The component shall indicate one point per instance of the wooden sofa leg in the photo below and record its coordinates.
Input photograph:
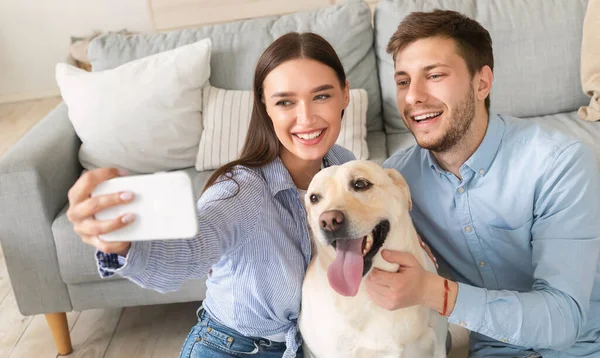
(60, 331)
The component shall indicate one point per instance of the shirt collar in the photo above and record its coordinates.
(278, 178)
(433, 164)
(483, 157)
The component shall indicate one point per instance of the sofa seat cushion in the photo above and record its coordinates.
(571, 124)
(76, 259)
(376, 141)
(399, 141)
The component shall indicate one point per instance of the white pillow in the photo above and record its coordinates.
(144, 116)
(227, 115)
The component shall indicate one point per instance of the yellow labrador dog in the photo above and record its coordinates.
(355, 210)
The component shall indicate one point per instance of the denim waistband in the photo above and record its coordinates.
(205, 319)
(291, 345)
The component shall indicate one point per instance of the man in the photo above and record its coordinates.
(510, 207)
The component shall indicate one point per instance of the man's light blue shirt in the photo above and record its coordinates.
(520, 233)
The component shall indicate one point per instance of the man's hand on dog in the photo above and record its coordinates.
(411, 285)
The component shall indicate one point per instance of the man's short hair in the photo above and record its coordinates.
(473, 41)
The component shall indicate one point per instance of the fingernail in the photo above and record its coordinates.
(126, 195)
(127, 218)
(123, 172)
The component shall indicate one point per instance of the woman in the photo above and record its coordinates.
(253, 240)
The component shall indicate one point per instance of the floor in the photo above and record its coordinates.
(138, 332)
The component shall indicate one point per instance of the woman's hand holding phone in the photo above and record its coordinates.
(83, 207)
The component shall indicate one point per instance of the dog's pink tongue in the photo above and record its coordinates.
(345, 273)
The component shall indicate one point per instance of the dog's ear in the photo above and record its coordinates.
(399, 181)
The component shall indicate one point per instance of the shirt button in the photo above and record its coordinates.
(463, 323)
(461, 190)
(505, 340)
(481, 263)
(481, 171)
(468, 228)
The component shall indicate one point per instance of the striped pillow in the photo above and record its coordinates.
(227, 115)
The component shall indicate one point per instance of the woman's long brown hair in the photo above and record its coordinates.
(261, 145)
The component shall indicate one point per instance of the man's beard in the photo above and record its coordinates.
(460, 123)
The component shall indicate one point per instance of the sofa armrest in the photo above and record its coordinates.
(35, 176)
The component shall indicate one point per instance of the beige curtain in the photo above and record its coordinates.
(590, 62)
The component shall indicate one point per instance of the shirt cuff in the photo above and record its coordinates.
(470, 306)
(136, 260)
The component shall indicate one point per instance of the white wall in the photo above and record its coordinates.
(35, 35)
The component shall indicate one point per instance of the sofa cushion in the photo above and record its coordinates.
(536, 52)
(144, 116)
(226, 115)
(399, 141)
(376, 140)
(124, 293)
(76, 260)
(569, 123)
(237, 46)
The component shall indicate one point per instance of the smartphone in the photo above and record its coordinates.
(164, 207)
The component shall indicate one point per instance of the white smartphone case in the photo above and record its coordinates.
(164, 207)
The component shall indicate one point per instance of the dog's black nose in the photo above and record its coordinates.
(331, 220)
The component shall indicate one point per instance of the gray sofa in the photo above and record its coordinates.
(536, 48)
